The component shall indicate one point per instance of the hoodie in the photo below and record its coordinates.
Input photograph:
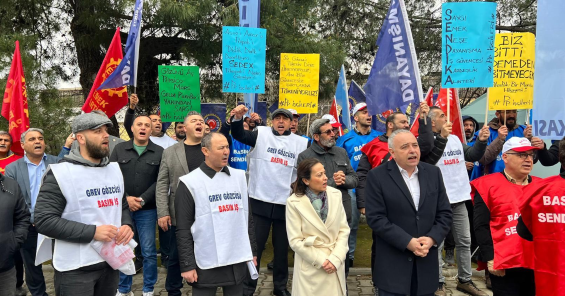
(473, 137)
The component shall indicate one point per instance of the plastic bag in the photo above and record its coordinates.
(117, 256)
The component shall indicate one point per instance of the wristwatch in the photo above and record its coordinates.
(142, 202)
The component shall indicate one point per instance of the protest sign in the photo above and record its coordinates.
(467, 52)
(243, 59)
(548, 115)
(179, 91)
(514, 57)
(299, 83)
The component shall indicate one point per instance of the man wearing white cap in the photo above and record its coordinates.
(352, 142)
(497, 198)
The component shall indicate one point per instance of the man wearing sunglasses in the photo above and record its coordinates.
(497, 198)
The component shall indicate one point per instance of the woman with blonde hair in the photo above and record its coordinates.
(317, 231)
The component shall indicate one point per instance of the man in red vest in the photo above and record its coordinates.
(497, 199)
(543, 222)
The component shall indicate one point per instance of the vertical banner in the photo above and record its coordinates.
(394, 81)
(548, 115)
(250, 16)
(179, 91)
(243, 59)
(214, 115)
(514, 57)
(467, 51)
(299, 83)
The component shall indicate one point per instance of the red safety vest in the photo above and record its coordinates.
(503, 200)
(543, 212)
(4, 162)
(376, 151)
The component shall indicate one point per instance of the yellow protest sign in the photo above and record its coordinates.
(514, 57)
(299, 83)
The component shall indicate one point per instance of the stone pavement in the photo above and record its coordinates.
(359, 283)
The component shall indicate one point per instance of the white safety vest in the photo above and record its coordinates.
(220, 230)
(454, 171)
(165, 141)
(272, 165)
(94, 197)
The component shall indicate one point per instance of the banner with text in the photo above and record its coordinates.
(179, 91)
(514, 57)
(299, 83)
(467, 51)
(243, 59)
(548, 115)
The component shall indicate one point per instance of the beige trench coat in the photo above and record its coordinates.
(314, 241)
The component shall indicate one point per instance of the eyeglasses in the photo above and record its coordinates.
(328, 132)
(523, 156)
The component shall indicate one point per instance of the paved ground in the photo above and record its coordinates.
(359, 283)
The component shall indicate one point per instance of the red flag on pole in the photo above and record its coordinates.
(430, 101)
(109, 100)
(14, 106)
(455, 111)
(334, 113)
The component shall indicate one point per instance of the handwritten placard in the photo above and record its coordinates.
(467, 53)
(514, 57)
(299, 83)
(179, 91)
(243, 59)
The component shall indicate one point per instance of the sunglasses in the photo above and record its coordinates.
(328, 132)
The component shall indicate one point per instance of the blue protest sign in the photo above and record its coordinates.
(548, 115)
(467, 51)
(243, 59)
(214, 115)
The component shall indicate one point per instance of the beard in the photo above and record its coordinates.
(181, 136)
(96, 151)
(327, 143)
(509, 125)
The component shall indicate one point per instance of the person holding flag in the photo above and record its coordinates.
(452, 165)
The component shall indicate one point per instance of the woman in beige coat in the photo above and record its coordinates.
(317, 232)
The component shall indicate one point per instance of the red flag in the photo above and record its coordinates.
(455, 116)
(109, 100)
(430, 101)
(14, 106)
(334, 113)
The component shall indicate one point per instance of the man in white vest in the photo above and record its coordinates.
(215, 232)
(82, 200)
(456, 180)
(271, 168)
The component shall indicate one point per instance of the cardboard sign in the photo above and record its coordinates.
(179, 91)
(299, 83)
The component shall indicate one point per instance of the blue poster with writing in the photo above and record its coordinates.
(467, 51)
(243, 59)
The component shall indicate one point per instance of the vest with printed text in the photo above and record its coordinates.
(454, 171)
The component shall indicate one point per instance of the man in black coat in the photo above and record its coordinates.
(408, 209)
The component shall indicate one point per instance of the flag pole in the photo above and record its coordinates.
(448, 105)
(504, 117)
(486, 108)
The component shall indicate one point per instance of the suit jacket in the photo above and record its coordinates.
(392, 215)
(17, 170)
(315, 241)
(173, 166)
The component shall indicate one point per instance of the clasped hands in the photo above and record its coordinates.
(420, 246)
(328, 267)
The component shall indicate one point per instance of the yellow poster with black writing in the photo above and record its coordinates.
(514, 59)
(299, 83)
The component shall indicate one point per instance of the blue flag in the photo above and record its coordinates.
(250, 16)
(214, 115)
(341, 98)
(394, 81)
(126, 72)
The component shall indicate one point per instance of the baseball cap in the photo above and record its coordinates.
(333, 122)
(282, 111)
(294, 113)
(518, 144)
(88, 121)
(358, 108)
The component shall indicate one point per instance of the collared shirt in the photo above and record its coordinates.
(35, 173)
(210, 172)
(413, 184)
(514, 181)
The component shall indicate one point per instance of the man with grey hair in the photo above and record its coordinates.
(177, 161)
(28, 172)
(335, 160)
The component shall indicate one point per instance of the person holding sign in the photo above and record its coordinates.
(214, 196)
(271, 171)
(456, 180)
(497, 198)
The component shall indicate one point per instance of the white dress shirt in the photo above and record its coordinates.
(413, 184)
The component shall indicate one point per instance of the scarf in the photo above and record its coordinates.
(319, 202)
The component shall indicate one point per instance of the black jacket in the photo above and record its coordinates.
(335, 159)
(392, 215)
(140, 171)
(51, 203)
(261, 208)
(185, 213)
(14, 217)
